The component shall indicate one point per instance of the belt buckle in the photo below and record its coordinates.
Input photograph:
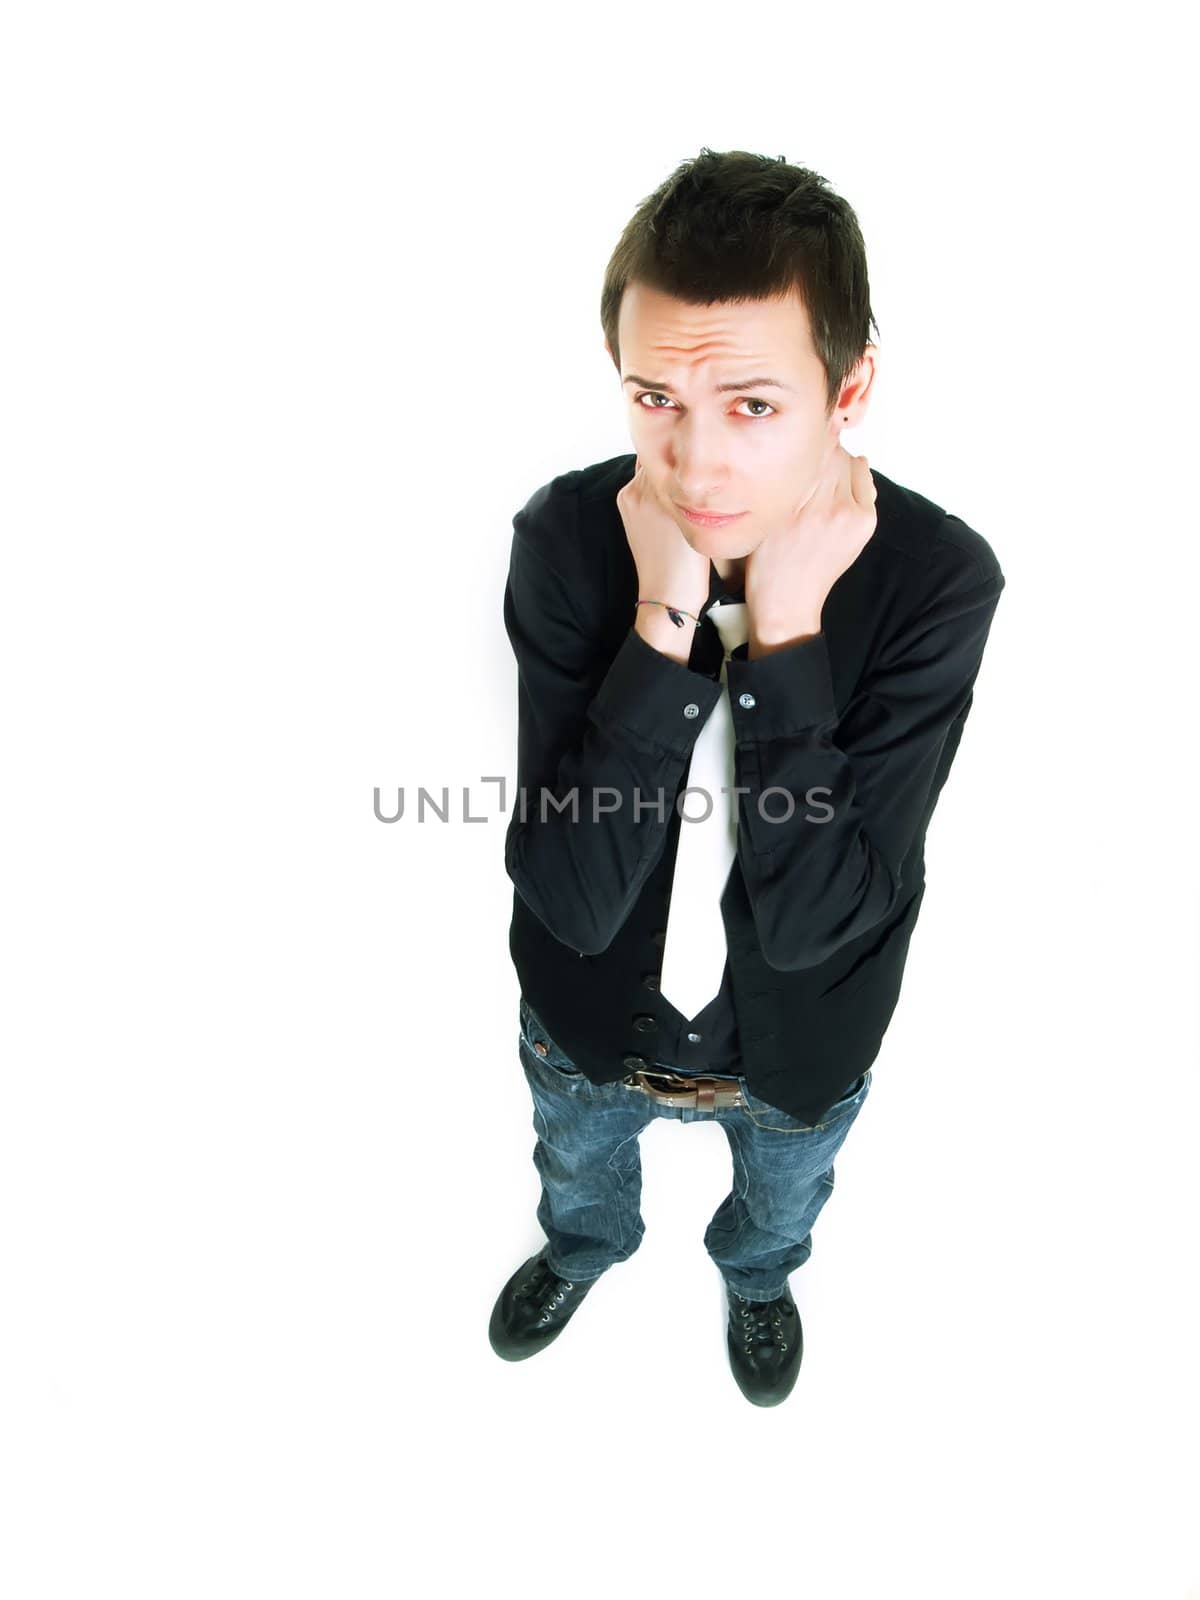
(693, 1091)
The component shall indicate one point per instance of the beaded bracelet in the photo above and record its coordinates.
(675, 613)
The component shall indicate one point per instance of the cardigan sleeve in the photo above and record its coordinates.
(602, 744)
(831, 807)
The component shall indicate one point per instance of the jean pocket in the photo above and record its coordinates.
(538, 1044)
(764, 1115)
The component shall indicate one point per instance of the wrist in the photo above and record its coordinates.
(768, 635)
(654, 624)
(673, 594)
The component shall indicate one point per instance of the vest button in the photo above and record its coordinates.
(651, 981)
(747, 700)
(645, 1024)
(634, 1063)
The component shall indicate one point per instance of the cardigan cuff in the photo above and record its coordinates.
(790, 690)
(657, 701)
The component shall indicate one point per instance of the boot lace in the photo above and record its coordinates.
(761, 1323)
(544, 1284)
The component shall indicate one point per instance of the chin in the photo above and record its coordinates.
(724, 546)
(732, 541)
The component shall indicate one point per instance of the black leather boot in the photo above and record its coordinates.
(765, 1343)
(534, 1307)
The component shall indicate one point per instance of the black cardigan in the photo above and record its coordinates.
(844, 741)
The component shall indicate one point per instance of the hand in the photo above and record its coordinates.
(667, 566)
(789, 574)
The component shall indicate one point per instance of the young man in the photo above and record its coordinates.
(744, 660)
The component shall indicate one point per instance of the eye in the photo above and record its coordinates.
(655, 394)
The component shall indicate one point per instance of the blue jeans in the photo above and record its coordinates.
(589, 1160)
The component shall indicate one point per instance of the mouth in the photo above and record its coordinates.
(710, 519)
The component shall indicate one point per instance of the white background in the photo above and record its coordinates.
(300, 305)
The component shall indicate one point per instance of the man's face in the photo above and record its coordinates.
(760, 450)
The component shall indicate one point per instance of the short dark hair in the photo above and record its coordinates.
(731, 225)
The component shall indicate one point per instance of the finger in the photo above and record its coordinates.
(837, 473)
(827, 480)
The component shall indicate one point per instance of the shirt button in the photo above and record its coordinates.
(691, 709)
(746, 700)
(694, 1038)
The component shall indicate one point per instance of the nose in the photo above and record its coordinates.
(706, 498)
(702, 487)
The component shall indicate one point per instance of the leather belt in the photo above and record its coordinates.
(694, 1090)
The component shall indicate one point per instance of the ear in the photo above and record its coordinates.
(856, 396)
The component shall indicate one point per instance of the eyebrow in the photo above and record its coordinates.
(721, 388)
